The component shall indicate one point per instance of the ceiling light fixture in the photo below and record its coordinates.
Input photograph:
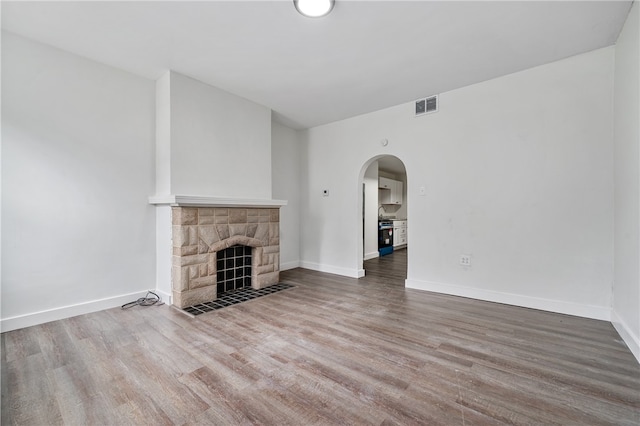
(314, 8)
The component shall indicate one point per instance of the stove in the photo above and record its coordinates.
(385, 224)
(385, 237)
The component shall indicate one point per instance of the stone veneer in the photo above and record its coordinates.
(198, 233)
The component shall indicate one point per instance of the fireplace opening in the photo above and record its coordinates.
(233, 268)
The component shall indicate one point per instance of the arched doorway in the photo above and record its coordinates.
(383, 183)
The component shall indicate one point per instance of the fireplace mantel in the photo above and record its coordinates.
(198, 201)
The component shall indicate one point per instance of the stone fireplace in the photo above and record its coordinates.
(198, 234)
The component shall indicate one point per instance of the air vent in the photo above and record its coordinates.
(427, 105)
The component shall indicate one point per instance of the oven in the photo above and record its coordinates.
(385, 237)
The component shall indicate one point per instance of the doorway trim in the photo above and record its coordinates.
(360, 206)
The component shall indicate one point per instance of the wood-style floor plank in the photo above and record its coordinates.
(331, 350)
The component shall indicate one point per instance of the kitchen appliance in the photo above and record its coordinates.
(385, 237)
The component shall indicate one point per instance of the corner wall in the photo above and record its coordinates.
(517, 171)
(626, 287)
(77, 168)
(285, 177)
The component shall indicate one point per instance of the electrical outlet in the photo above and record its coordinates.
(465, 260)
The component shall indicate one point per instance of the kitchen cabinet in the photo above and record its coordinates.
(391, 192)
(385, 183)
(399, 233)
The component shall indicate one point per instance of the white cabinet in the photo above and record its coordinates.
(385, 183)
(390, 191)
(396, 193)
(399, 233)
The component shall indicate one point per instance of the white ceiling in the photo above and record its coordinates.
(364, 56)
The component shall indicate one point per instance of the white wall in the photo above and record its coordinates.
(220, 142)
(164, 253)
(371, 211)
(626, 288)
(77, 168)
(163, 135)
(518, 173)
(285, 172)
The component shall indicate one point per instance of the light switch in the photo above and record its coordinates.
(325, 192)
(423, 190)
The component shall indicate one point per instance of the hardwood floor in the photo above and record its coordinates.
(332, 350)
(390, 269)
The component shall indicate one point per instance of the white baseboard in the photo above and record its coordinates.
(167, 298)
(35, 318)
(557, 306)
(289, 265)
(633, 342)
(371, 255)
(352, 273)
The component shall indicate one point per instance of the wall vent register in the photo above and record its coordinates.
(427, 105)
